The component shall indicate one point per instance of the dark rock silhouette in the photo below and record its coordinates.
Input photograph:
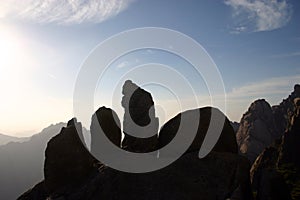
(214, 177)
(257, 129)
(266, 179)
(235, 126)
(290, 148)
(139, 110)
(67, 161)
(226, 143)
(110, 126)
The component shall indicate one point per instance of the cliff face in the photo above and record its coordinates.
(67, 161)
(257, 129)
(290, 148)
(276, 172)
(262, 124)
(72, 173)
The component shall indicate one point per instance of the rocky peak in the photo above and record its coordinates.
(290, 147)
(257, 129)
(67, 161)
(139, 117)
(109, 125)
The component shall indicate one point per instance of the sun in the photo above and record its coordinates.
(9, 52)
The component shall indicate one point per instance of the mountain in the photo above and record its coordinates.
(22, 163)
(276, 172)
(4, 139)
(262, 124)
(71, 172)
(257, 129)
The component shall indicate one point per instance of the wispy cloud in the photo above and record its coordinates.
(268, 87)
(260, 15)
(62, 11)
(287, 55)
(123, 64)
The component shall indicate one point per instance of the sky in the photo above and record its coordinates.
(255, 45)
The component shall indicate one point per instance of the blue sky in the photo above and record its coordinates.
(254, 43)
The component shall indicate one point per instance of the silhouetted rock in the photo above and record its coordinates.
(215, 177)
(67, 161)
(139, 118)
(266, 180)
(110, 126)
(257, 129)
(235, 126)
(226, 143)
(290, 148)
(39, 191)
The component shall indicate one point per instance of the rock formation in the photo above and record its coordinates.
(139, 118)
(110, 126)
(276, 172)
(71, 173)
(285, 110)
(290, 149)
(226, 142)
(261, 125)
(257, 129)
(67, 161)
(189, 178)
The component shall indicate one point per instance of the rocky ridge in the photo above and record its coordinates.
(75, 174)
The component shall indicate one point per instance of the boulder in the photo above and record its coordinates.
(226, 143)
(110, 126)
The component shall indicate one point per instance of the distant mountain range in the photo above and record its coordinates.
(4, 139)
(22, 161)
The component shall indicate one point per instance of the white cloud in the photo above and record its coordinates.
(260, 15)
(272, 86)
(123, 64)
(286, 55)
(62, 11)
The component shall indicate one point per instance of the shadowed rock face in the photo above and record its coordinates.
(110, 126)
(266, 180)
(285, 110)
(139, 110)
(257, 129)
(226, 142)
(67, 161)
(215, 177)
(290, 149)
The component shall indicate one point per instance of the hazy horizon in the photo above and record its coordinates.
(255, 45)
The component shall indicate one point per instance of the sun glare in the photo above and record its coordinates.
(9, 53)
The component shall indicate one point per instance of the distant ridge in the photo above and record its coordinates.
(22, 162)
(4, 139)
